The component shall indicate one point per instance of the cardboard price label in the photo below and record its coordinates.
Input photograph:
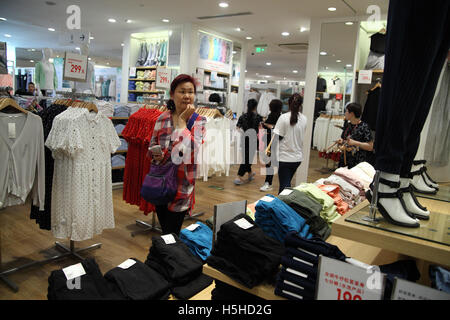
(365, 76)
(163, 78)
(75, 67)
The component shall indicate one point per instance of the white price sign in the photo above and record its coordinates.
(163, 78)
(75, 67)
(338, 280)
(407, 290)
(365, 76)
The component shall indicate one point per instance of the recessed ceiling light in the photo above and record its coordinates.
(77, 48)
(7, 35)
(294, 71)
(51, 29)
(89, 58)
(31, 60)
(267, 76)
(269, 63)
(303, 29)
(285, 34)
(338, 60)
(223, 5)
(257, 74)
(326, 68)
(245, 70)
(234, 52)
(128, 21)
(331, 9)
(112, 20)
(165, 20)
(122, 44)
(323, 53)
(238, 29)
(349, 23)
(348, 65)
(248, 38)
(3, 19)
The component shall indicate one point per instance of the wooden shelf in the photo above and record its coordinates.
(119, 118)
(374, 71)
(218, 73)
(146, 68)
(137, 79)
(265, 291)
(214, 88)
(117, 168)
(121, 151)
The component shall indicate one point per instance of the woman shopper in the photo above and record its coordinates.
(357, 136)
(179, 133)
(275, 107)
(290, 130)
(249, 124)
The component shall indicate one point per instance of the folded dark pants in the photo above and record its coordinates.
(302, 280)
(310, 270)
(292, 287)
(91, 286)
(309, 209)
(223, 291)
(178, 265)
(403, 269)
(315, 246)
(248, 256)
(139, 282)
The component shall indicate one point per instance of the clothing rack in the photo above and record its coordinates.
(70, 251)
(329, 115)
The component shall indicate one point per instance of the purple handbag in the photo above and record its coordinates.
(160, 184)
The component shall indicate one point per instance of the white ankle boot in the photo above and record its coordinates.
(418, 181)
(412, 205)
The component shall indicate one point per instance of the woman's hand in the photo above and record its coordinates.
(185, 115)
(352, 142)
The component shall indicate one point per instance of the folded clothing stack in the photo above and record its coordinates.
(298, 275)
(132, 85)
(245, 253)
(123, 145)
(175, 262)
(138, 281)
(328, 213)
(333, 191)
(119, 128)
(132, 97)
(139, 85)
(307, 208)
(198, 237)
(90, 286)
(121, 111)
(223, 291)
(276, 218)
(117, 161)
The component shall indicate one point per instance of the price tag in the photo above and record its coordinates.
(243, 223)
(192, 227)
(406, 290)
(132, 72)
(163, 77)
(286, 192)
(74, 271)
(267, 199)
(126, 264)
(365, 76)
(338, 280)
(75, 67)
(12, 130)
(168, 239)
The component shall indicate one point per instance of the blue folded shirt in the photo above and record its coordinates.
(199, 240)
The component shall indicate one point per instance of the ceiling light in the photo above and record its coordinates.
(89, 58)
(122, 44)
(331, 9)
(245, 70)
(248, 38)
(257, 74)
(303, 29)
(7, 35)
(91, 38)
(128, 21)
(223, 5)
(107, 63)
(234, 52)
(285, 34)
(31, 60)
(58, 57)
(323, 53)
(112, 20)
(348, 65)
(326, 68)
(77, 48)
(165, 20)
(3, 19)
(338, 60)
(238, 29)
(269, 63)
(51, 60)
(267, 76)
(294, 71)
(349, 23)
(51, 29)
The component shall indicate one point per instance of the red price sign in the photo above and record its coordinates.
(346, 295)
(75, 66)
(163, 77)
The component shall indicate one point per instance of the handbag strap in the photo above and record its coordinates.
(191, 121)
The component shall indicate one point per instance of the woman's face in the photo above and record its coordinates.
(348, 115)
(183, 96)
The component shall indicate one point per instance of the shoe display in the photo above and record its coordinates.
(412, 204)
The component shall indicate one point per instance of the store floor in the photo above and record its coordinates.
(21, 240)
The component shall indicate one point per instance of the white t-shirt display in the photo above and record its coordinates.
(290, 147)
(49, 72)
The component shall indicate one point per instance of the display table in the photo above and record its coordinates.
(265, 291)
(405, 241)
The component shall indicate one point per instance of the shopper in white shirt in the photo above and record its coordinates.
(290, 129)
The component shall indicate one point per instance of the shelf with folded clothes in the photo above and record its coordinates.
(373, 71)
(141, 79)
(119, 118)
(142, 91)
(118, 168)
(120, 151)
(147, 68)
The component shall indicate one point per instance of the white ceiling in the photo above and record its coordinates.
(28, 23)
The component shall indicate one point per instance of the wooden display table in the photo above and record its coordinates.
(412, 245)
(265, 291)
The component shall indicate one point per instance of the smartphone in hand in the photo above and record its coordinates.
(155, 153)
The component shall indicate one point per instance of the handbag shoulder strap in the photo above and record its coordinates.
(191, 121)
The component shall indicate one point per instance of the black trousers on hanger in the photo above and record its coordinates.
(417, 44)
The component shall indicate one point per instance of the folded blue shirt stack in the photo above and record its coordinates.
(121, 111)
(198, 237)
(123, 145)
(117, 161)
(277, 219)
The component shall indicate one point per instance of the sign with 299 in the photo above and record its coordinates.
(75, 67)
(163, 77)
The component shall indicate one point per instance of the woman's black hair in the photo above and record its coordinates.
(275, 106)
(252, 104)
(355, 108)
(214, 97)
(295, 106)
